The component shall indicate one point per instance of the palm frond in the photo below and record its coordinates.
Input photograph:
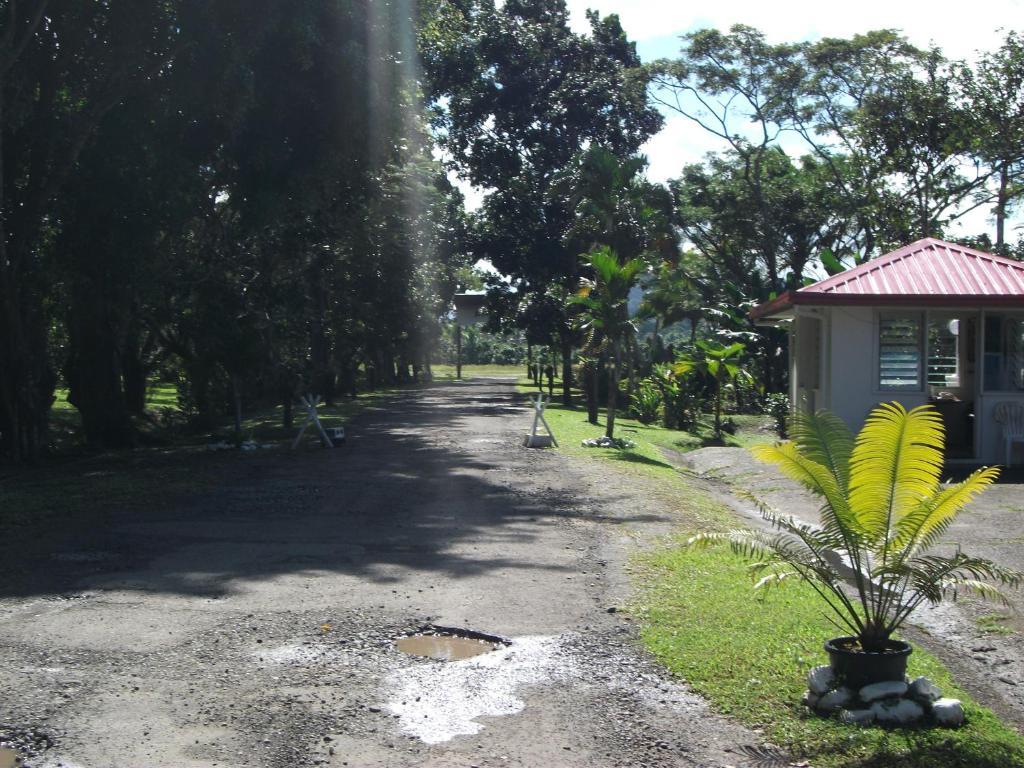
(815, 476)
(775, 579)
(824, 437)
(920, 529)
(952, 587)
(896, 462)
(933, 577)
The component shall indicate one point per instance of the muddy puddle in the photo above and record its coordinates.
(448, 646)
(8, 758)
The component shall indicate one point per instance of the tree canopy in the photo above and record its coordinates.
(251, 198)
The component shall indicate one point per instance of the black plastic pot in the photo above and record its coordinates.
(856, 668)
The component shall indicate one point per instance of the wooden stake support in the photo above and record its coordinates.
(533, 440)
(312, 418)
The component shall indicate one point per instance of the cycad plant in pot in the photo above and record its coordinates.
(883, 509)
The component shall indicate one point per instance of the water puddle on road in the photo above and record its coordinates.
(448, 645)
(437, 702)
(8, 758)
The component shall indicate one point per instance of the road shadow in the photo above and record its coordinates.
(402, 493)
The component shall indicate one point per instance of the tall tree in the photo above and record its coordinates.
(518, 95)
(917, 131)
(994, 94)
(604, 303)
(63, 67)
(720, 80)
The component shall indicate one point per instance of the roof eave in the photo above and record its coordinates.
(776, 306)
(908, 300)
(786, 301)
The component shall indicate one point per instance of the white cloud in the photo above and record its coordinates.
(958, 30)
(681, 141)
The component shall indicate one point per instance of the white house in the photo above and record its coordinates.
(932, 322)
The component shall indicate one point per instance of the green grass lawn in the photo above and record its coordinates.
(749, 657)
(265, 424)
(570, 425)
(445, 372)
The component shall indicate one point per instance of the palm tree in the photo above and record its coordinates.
(676, 294)
(604, 315)
(884, 508)
(718, 362)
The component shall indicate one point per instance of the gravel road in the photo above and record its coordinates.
(253, 624)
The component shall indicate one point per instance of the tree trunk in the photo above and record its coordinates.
(1001, 200)
(631, 350)
(319, 346)
(94, 371)
(566, 371)
(613, 391)
(458, 350)
(199, 376)
(718, 405)
(135, 374)
(590, 386)
(236, 397)
(136, 365)
(287, 414)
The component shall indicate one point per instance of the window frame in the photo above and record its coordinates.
(922, 352)
(1019, 316)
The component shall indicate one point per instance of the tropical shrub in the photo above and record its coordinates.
(777, 406)
(646, 402)
(720, 363)
(883, 510)
(680, 397)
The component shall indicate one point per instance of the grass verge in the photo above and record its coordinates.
(749, 657)
(647, 457)
(445, 372)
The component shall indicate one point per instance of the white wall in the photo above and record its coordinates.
(848, 381)
(853, 360)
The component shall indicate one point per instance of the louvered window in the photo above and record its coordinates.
(899, 352)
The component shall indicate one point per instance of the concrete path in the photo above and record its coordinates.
(254, 624)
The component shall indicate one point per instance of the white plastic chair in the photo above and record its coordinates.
(1010, 416)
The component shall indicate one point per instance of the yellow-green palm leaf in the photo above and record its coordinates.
(824, 438)
(920, 529)
(816, 477)
(895, 465)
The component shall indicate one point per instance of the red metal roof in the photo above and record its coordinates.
(928, 272)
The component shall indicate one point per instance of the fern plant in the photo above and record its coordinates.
(883, 509)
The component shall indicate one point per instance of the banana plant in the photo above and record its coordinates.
(884, 508)
(720, 363)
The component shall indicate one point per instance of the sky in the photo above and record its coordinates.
(960, 30)
(656, 25)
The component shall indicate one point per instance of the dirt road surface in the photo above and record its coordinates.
(254, 624)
